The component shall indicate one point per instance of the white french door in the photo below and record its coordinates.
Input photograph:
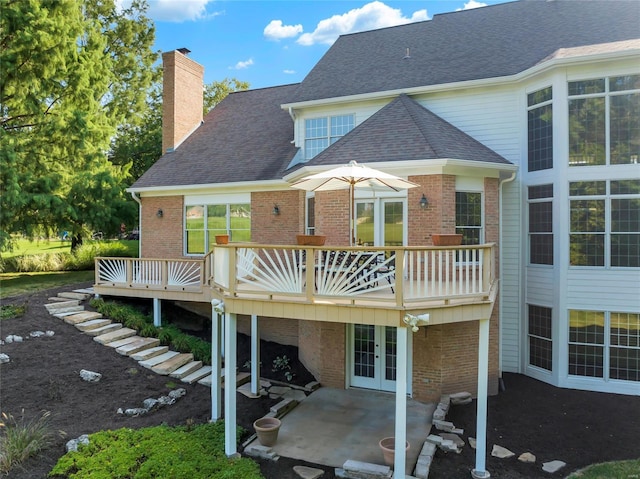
(380, 222)
(373, 357)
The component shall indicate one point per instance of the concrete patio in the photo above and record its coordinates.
(332, 426)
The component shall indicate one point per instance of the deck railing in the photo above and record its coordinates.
(400, 276)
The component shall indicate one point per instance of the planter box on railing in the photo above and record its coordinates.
(310, 240)
(446, 239)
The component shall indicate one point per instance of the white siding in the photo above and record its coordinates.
(613, 290)
(541, 285)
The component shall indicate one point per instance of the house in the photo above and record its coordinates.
(520, 123)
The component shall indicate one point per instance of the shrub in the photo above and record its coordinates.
(10, 311)
(186, 451)
(21, 439)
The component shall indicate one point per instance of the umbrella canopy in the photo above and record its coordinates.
(350, 177)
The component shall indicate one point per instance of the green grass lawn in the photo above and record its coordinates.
(14, 284)
(610, 470)
(25, 246)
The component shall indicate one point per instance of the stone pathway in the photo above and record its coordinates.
(146, 351)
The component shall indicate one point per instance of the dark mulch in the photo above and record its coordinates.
(574, 426)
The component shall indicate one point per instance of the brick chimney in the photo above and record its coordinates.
(182, 97)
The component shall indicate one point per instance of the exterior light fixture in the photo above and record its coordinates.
(276, 210)
(424, 202)
(159, 213)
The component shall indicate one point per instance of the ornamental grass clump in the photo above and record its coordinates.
(21, 439)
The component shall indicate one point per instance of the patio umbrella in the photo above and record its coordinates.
(350, 177)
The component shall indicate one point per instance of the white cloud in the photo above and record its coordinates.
(289, 72)
(179, 10)
(371, 16)
(242, 65)
(471, 4)
(277, 31)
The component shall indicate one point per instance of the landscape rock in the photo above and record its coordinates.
(177, 393)
(4, 358)
(149, 403)
(73, 444)
(36, 334)
(472, 442)
(308, 472)
(501, 452)
(90, 376)
(13, 338)
(553, 466)
(135, 411)
(443, 425)
(461, 398)
(457, 440)
(49, 333)
(527, 457)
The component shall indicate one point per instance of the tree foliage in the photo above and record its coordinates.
(72, 72)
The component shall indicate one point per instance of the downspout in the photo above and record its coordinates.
(137, 200)
(500, 234)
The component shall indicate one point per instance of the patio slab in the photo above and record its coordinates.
(332, 426)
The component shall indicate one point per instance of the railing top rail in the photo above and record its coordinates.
(353, 248)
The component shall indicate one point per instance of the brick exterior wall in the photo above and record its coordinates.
(267, 228)
(440, 214)
(278, 330)
(332, 216)
(182, 98)
(323, 351)
(161, 237)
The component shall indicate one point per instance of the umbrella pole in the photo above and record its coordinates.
(352, 225)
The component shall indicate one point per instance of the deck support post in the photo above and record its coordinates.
(400, 460)
(216, 366)
(157, 312)
(481, 415)
(255, 355)
(231, 344)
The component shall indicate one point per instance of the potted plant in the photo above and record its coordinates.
(310, 240)
(222, 239)
(267, 430)
(446, 239)
(388, 446)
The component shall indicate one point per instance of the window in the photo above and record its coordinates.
(322, 132)
(540, 129)
(604, 345)
(605, 223)
(540, 343)
(311, 215)
(594, 104)
(541, 224)
(469, 216)
(203, 222)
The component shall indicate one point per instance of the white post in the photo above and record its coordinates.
(255, 355)
(481, 416)
(157, 312)
(399, 464)
(216, 362)
(230, 340)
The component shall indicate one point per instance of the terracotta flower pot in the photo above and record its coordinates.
(222, 239)
(388, 446)
(446, 239)
(310, 240)
(267, 430)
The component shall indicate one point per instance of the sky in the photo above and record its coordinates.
(268, 43)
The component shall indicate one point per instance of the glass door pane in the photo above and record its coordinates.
(365, 221)
(393, 231)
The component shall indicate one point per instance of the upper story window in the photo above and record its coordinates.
(604, 121)
(321, 132)
(540, 199)
(605, 223)
(203, 222)
(540, 129)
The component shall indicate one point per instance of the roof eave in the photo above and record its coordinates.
(175, 190)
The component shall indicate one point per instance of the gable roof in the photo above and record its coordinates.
(246, 137)
(487, 42)
(404, 130)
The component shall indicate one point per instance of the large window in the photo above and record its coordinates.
(325, 131)
(540, 341)
(540, 224)
(604, 121)
(604, 345)
(469, 216)
(203, 222)
(540, 129)
(605, 223)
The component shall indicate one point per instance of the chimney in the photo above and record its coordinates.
(182, 97)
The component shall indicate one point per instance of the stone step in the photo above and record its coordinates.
(140, 344)
(149, 363)
(74, 295)
(92, 324)
(150, 353)
(241, 378)
(172, 364)
(65, 310)
(56, 306)
(115, 335)
(104, 329)
(82, 317)
(88, 291)
(58, 299)
(197, 375)
(187, 369)
(118, 343)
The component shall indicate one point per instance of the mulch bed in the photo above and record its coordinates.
(577, 427)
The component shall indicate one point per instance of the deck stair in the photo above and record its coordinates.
(146, 351)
